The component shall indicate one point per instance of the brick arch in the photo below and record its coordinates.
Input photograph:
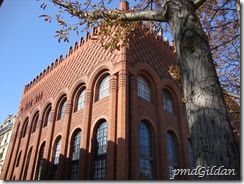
(54, 143)
(179, 150)
(149, 72)
(75, 91)
(71, 137)
(58, 102)
(44, 110)
(76, 84)
(32, 118)
(97, 71)
(169, 84)
(59, 96)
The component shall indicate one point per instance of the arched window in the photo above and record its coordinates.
(27, 164)
(168, 105)
(100, 152)
(62, 107)
(24, 128)
(172, 154)
(146, 155)
(81, 100)
(40, 162)
(75, 155)
(104, 86)
(143, 88)
(35, 121)
(47, 115)
(56, 159)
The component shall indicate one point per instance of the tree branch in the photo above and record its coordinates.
(143, 15)
(199, 3)
(129, 16)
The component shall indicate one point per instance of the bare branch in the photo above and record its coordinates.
(199, 3)
(144, 15)
(129, 16)
(231, 94)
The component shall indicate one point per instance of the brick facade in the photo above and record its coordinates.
(85, 65)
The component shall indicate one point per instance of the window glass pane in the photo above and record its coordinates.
(172, 154)
(35, 121)
(104, 88)
(62, 110)
(100, 152)
(40, 162)
(168, 106)
(143, 89)
(146, 155)
(57, 152)
(81, 100)
(47, 116)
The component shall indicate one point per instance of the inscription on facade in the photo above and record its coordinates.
(31, 102)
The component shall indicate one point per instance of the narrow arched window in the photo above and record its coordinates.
(56, 159)
(143, 89)
(146, 155)
(100, 152)
(168, 105)
(104, 86)
(62, 109)
(40, 162)
(24, 130)
(75, 156)
(47, 115)
(81, 100)
(172, 155)
(27, 164)
(35, 121)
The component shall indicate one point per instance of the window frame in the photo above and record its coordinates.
(35, 122)
(103, 86)
(47, 115)
(61, 108)
(173, 162)
(74, 154)
(100, 154)
(146, 159)
(168, 101)
(143, 88)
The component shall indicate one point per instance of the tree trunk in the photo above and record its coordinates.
(212, 138)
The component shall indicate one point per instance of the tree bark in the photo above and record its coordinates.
(212, 139)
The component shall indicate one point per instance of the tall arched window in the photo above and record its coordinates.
(168, 105)
(24, 130)
(56, 159)
(81, 100)
(104, 86)
(172, 154)
(40, 162)
(100, 152)
(75, 155)
(62, 107)
(27, 164)
(143, 88)
(35, 121)
(146, 154)
(47, 115)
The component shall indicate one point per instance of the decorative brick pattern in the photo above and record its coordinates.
(122, 109)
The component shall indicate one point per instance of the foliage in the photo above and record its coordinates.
(222, 26)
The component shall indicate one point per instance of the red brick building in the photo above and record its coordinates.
(97, 114)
